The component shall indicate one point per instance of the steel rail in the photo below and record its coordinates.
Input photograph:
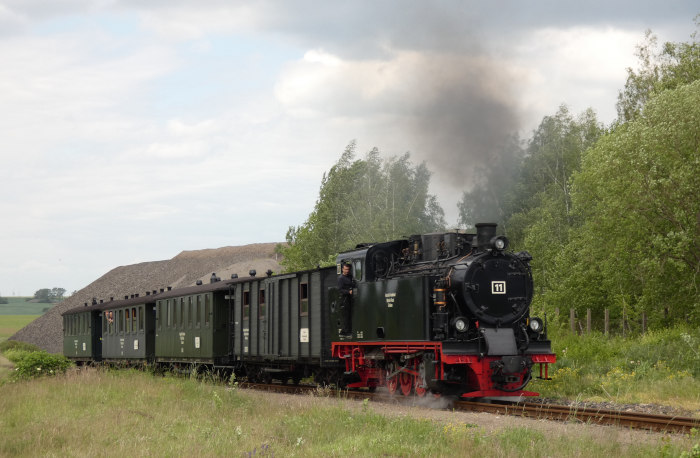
(635, 420)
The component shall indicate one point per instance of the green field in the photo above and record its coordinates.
(20, 306)
(9, 324)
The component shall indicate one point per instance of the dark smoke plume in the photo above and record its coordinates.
(464, 115)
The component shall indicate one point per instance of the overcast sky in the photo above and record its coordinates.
(130, 133)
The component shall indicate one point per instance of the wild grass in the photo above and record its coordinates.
(128, 413)
(660, 367)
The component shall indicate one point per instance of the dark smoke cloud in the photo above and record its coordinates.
(466, 113)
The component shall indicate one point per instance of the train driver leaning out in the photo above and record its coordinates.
(345, 285)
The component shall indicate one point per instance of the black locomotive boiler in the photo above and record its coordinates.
(444, 312)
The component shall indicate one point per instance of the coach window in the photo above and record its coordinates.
(303, 299)
(128, 321)
(141, 317)
(199, 310)
(133, 319)
(189, 312)
(121, 321)
(246, 305)
(261, 303)
(182, 312)
(207, 310)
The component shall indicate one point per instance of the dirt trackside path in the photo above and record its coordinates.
(5, 366)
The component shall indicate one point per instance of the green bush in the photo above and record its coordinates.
(16, 344)
(31, 364)
(661, 366)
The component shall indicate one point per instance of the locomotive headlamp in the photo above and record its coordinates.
(536, 325)
(500, 243)
(460, 324)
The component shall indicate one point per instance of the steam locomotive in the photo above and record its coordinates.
(441, 313)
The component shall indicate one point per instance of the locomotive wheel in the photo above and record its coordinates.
(406, 382)
(391, 382)
(420, 386)
(420, 389)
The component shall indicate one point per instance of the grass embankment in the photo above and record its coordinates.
(660, 367)
(94, 412)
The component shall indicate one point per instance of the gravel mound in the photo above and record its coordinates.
(182, 270)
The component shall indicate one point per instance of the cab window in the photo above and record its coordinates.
(357, 267)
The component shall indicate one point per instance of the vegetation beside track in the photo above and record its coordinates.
(659, 367)
(100, 412)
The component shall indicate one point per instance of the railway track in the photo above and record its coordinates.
(635, 420)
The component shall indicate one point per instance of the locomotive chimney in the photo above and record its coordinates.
(484, 233)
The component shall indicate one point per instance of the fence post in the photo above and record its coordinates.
(644, 322)
(607, 322)
(624, 322)
(572, 320)
(588, 321)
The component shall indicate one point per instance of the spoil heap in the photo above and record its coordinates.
(182, 270)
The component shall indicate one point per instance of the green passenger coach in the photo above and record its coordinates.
(192, 325)
(81, 334)
(128, 329)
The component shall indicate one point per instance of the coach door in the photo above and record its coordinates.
(231, 306)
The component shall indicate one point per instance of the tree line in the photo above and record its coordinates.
(46, 295)
(611, 214)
